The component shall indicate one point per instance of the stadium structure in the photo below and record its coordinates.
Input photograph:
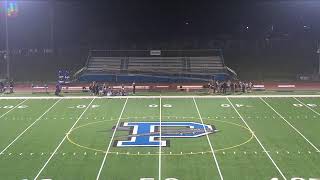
(173, 111)
(155, 66)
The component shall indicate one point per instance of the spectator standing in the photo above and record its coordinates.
(11, 86)
(134, 88)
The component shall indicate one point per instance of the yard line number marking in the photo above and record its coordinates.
(109, 146)
(39, 118)
(267, 153)
(44, 166)
(213, 154)
(13, 108)
(156, 105)
(290, 125)
(160, 138)
(308, 106)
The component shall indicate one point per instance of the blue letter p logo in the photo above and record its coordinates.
(146, 134)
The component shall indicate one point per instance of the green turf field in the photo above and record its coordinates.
(266, 138)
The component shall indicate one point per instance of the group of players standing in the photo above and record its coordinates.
(106, 90)
(6, 87)
(229, 86)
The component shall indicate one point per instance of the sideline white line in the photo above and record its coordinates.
(205, 130)
(290, 125)
(13, 108)
(29, 127)
(160, 138)
(111, 141)
(54, 152)
(264, 149)
(152, 97)
(307, 106)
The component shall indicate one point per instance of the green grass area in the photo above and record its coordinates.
(265, 138)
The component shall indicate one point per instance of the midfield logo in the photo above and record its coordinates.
(147, 134)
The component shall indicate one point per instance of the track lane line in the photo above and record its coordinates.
(13, 108)
(54, 152)
(205, 130)
(112, 137)
(38, 119)
(291, 125)
(264, 149)
(306, 106)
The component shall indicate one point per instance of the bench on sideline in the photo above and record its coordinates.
(258, 87)
(286, 87)
(39, 89)
(68, 89)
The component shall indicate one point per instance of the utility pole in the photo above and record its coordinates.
(52, 27)
(7, 54)
(318, 52)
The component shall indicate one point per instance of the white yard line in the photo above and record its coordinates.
(13, 108)
(29, 127)
(307, 106)
(54, 152)
(111, 141)
(290, 125)
(205, 130)
(152, 97)
(264, 149)
(160, 139)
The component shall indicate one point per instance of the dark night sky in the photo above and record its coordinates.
(84, 21)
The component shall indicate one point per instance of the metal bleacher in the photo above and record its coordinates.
(144, 63)
(100, 64)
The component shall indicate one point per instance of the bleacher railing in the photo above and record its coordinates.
(163, 53)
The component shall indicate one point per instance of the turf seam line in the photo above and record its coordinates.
(13, 108)
(257, 139)
(152, 97)
(46, 163)
(39, 118)
(307, 106)
(111, 140)
(291, 125)
(160, 138)
(205, 130)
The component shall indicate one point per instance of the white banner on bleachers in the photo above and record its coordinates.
(155, 53)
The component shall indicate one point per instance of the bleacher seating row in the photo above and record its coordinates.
(210, 64)
(153, 66)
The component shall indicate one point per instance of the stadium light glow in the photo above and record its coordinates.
(12, 8)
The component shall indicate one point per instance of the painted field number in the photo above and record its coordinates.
(40, 179)
(153, 179)
(82, 106)
(301, 105)
(297, 178)
(156, 105)
(228, 105)
(10, 107)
